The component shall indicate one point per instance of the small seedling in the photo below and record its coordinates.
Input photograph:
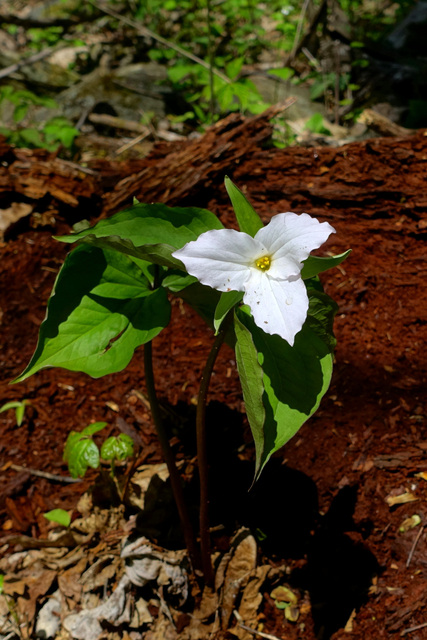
(60, 516)
(117, 448)
(19, 406)
(81, 452)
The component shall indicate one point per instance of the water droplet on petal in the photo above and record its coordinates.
(289, 301)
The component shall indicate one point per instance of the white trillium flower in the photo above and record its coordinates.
(267, 267)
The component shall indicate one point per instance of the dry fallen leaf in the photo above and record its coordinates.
(240, 566)
(402, 498)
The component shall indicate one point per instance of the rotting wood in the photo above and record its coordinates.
(39, 174)
(182, 173)
(198, 163)
(383, 125)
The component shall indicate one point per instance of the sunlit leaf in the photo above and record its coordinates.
(101, 309)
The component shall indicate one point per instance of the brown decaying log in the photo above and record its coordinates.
(188, 173)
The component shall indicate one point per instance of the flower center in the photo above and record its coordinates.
(263, 263)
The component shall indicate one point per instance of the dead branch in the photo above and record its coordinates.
(40, 55)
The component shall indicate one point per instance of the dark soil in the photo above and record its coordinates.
(322, 502)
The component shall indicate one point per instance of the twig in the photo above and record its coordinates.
(411, 553)
(411, 629)
(299, 29)
(118, 123)
(261, 634)
(144, 31)
(132, 143)
(45, 53)
(44, 474)
(78, 167)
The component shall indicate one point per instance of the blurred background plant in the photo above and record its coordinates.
(199, 60)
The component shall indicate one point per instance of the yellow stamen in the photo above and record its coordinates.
(263, 263)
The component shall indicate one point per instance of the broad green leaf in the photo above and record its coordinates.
(89, 325)
(76, 436)
(321, 313)
(315, 265)
(72, 439)
(227, 301)
(247, 218)
(117, 448)
(153, 224)
(60, 516)
(251, 379)
(83, 455)
(295, 379)
(160, 254)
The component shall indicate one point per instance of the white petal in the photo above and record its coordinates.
(220, 258)
(289, 239)
(278, 306)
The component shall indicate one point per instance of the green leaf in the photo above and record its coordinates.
(32, 137)
(152, 224)
(82, 455)
(284, 74)
(19, 406)
(101, 309)
(315, 124)
(234, 67)
(314, 265)
(321, 312)
(247, 218)
(154, 253)
(20, 411)
(175, 281)
(80, 451)
(251, 379)
(20, 112)
(60, 516)
(117, 448)
(227, 301)
(1, 583)
(295, 379)
(14, 404)
(93, 428)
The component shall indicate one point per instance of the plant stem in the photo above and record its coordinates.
(169, 458)
(202, 455)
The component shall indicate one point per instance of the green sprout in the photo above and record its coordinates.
(19, 406)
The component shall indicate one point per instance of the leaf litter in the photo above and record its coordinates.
(106, 575)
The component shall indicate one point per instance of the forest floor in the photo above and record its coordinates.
(335, 510)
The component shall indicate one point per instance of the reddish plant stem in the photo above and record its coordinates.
(202, 455)
(169, 458)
